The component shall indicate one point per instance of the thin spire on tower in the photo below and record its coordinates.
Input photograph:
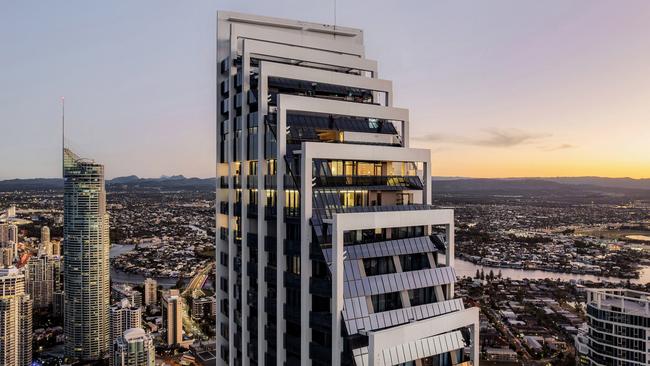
(63, 134)
(334, 19)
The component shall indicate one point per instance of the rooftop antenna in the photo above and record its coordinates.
(335, 19)
(63, 135)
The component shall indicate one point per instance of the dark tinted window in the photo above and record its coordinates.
(378, 266)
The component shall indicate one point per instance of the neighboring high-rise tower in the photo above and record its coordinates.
(46, 245)
(43, 279)
(45, 234)
(150, 291)
(172, 316)
(56, 247)
(11, 211)
(124, 315)
(9, 239)
(134, 348)
(327, 244)
(86, 259)
(15, 320)
(121, 291)
(618, 328)
(8, 233)
(6, 256)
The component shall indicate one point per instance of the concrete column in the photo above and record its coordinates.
(337, 291)
(262, 255)
(404, 296)
(244, 217)
(281, 326)
(426, 177)
(371, 349)
(305, 262)
(475, 349)
(450, 229)
(231, 200)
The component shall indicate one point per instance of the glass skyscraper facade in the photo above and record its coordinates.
(86, 259)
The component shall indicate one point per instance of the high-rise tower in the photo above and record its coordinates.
(8, 233)
(327, 244)
(134, 348)
(15, 320)
(43, 274)
(618, 328)
(124, 316)
(86, 259)
(45, 234)
(172, 316)
(150, 291)
(9, 239)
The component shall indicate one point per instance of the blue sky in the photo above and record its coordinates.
(499, 88)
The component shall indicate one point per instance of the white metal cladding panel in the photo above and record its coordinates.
(351, 271)
(422, 244)
(403, 281)
(360, 356)
(355, 311)
(416, 350)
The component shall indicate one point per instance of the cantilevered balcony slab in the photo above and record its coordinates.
(415, 350)
(384, 344)
(394, 282)
(357, 316)
(421, 244)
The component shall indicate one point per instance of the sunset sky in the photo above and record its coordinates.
(494, 88)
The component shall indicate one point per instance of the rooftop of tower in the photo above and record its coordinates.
(622, 300)
(73, 157)
(134, 333)
(330, 29)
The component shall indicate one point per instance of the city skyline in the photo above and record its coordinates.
(575, 73)
(313, 183)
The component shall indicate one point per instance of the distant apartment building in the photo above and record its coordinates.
(501, 355)
(327, 242)
(133, 348)
(15, 319)
(203, 307)
(123, 291)
(58, 303)
(9, 239)
(11, 211)
(618, 329)
(45, 248)
(150, 291)
(45, 235)
(124, 315)
(172, 316)
(6, 256)
(8, 233)
(56, 247)
(44, 279)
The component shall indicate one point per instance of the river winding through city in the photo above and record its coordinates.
(463, 268)
(466, 268)
(118, 276)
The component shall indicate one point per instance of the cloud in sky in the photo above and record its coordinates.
(558, 147)
(493, 137)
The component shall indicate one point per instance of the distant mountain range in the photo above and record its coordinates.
(440, 184)
(562, 188)
(543, 183)
(131, 181)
